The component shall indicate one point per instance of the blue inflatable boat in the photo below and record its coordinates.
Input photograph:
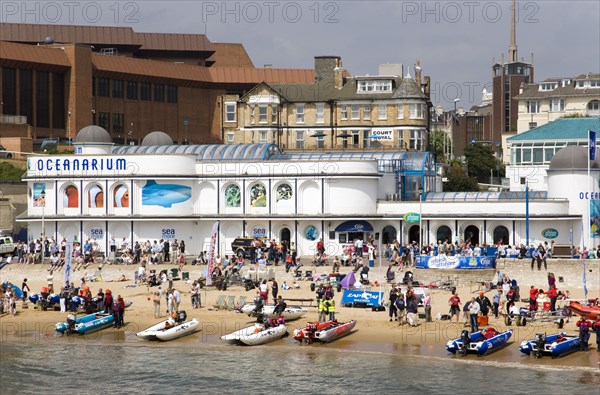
(555, 345)
(482, 342)
(100, 322)
(61, 327)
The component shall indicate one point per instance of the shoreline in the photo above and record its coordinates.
(373, 332)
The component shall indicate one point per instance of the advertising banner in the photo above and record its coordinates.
(455, 262)
(371, 298)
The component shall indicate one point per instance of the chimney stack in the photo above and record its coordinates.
(325, 66)
(418, 72)
(338, 78)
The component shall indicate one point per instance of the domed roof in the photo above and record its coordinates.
(157, 138)
(93, 134)
(572, 157)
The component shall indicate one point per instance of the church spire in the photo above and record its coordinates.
(512, 48)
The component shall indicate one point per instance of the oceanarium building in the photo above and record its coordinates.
(158, 190)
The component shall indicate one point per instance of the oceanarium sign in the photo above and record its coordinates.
(76, 164)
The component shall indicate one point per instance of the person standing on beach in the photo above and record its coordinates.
(412, 311)
(454, 303)
(427, 304)
(100, 300)
(156, 303)
(176, 299)
(323, 309)
(50, 280)
(584, 326)
(264, 291)
(484, 304)
(596, 327)
(474, 310)
(497, 297)
(331, 308)
(274, 289)
(392, 299)
(25, 289)
(400, 306)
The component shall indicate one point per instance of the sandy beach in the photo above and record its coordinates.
(373, 332)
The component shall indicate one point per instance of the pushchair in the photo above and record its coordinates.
(390, 275)
(364, 275)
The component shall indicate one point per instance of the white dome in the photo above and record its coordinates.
(157, 138)
(93, 134)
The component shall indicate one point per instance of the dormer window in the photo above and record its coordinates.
(374, 86)
(566, 83)
(548, 86)
(594, 83)
(580, 84)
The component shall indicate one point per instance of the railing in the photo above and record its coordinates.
(13, 119)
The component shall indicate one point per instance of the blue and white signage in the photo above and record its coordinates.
(455, 262)
(371, 298)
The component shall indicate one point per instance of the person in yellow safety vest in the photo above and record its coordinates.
(331, 308)
(323, 309)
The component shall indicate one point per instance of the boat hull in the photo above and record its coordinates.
(478, 344)
(234, 337)
(289, 314)
(556, 345)
(95, 325)
(61, 327)
(150, 333)
(264, 336)
(591, 313)
(178, 331)
(331, 334)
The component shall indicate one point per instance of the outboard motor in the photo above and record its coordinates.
(466, 340)
(540, 341)
(71, 320)
(181, 316)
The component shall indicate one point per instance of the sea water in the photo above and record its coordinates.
(115, 368)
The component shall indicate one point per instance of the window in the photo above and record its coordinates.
(233, 197)
(230, 138)
(416, 139)
(344, 111)
(320, 112)
(548, 86)
(118, 89)
(230, 112)
(367, 112)
(374, 86)
(416, 110)
(159, 92)
(9, 91)
(117, 123)
(594, 83)
(594, 105)
(299, 113)
(355, 111)
(132, 90)
(400, 111)
(580, 84)
(321, 142)
(104, 120)
(401, 143)
(58, 101)
(274, 114)
(262, 114)
(299, 139)
(382, 111)
(252, 114)
(557, 105)
(171, 93)
(262, 136)
(42, 99)
(532, 107)
(145, 93)
(26, 86)
(103, 87)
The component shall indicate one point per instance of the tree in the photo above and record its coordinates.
(480, 160)
(459, 181)
(440, 145)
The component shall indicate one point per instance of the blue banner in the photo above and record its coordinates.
(369, 297)
(592, 144)
(455, 262)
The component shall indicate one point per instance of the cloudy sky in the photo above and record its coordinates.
(456, 41)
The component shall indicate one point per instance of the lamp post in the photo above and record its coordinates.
(186, 123)
(420, 220)
(453, 123)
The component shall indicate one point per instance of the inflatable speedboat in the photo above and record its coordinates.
(482, 342)
(555, 345)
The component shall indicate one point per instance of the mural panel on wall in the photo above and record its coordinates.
(121, 196)
(594, 218)
(284, 192)
(96, 197)
(258, 196)
(71, 197)
(164, 195)
(233, 197)
(39, 194)
(311, 233)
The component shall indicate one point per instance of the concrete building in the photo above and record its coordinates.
(128, 193)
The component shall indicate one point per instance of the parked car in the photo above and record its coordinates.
(241, 246)
(4, 153)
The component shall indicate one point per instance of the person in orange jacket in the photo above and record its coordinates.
(584, 326)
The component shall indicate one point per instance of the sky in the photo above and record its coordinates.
(455, 41)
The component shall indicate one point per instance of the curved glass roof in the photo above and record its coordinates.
(208, 152)
(410, 160)
(483, 196)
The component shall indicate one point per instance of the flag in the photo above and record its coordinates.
(592, 144)
(68, 261)
(584, 281)
(211, 252)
